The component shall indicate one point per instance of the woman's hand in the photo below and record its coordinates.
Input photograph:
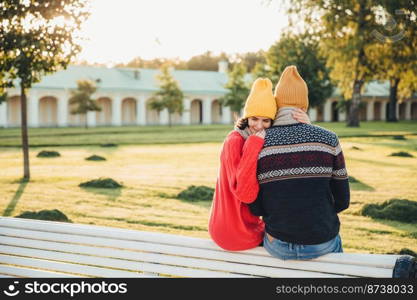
(301, 116)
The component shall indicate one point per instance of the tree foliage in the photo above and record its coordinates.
(169, 96)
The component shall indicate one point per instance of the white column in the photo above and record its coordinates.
(312, 113)
(33, 109)
(141, 110)
(383, 110)
(163, 117)
(370, 111)
(186, 114)
(3, 114)
(207, 110)
(342, 116)
(63, 110)
(328, 111)
(116, 110)
(226, 115)
(91, 118)
(408, 110)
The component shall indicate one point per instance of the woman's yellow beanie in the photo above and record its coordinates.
(260, 102)
(291, 89)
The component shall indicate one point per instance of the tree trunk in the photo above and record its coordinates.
(24, 129)
(169, 119)
(353, 117)
(86, 121)
(392, 107)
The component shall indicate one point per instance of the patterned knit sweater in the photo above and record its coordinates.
(303, 183)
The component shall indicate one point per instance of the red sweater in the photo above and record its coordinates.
(232, 226)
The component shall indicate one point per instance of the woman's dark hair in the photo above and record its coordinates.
(242, 123)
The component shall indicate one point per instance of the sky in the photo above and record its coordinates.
(119, 30)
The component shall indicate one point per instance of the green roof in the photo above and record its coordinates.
(375, 88)
(124, 79)
(190, 81)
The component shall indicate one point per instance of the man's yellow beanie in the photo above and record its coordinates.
(291, 89)
(260, 102)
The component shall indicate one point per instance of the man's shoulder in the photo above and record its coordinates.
(301, 133)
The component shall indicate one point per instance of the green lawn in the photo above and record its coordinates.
(154, 174)
(143, 135)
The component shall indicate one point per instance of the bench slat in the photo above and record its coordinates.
(125, 259)
(63, 267)
(374, 260)
(199, 253)
(26, 272)
(348, 270)
(104, 262)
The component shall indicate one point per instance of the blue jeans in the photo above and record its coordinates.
(284, 250)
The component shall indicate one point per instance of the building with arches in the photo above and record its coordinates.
(123, 95)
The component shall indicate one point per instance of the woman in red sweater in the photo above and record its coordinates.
(231, 224)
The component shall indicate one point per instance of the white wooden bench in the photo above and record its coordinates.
(32, 248)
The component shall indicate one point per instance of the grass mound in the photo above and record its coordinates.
(355, 148)
(401, 210)
(108, 145)
(95, 158)
(401, 154)
(47, 215)
(45, 153)
(106, 183)
(197, 193)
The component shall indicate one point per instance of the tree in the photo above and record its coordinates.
(301, 50)
(81, 98)
(394, 57)
(37, 37)
(346, 30)
(238, 89)
(169, 95)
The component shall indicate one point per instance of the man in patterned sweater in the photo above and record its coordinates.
(303, 180)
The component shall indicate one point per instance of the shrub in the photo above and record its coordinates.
(47, 215)
(106, 183)
(45, 153)
(108, 145)
(401, 210)
(399, 137)
(95, 158)
(197, 193)
(402, 154)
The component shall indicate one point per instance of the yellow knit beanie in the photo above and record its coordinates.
(260, 102)
(291, 89)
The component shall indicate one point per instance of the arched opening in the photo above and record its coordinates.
(75, 119)
(176, 118)
(48, 109)
(414, 111)
(103, 117)
(335, 112)
(216, 112)
(152, 115)
(320, 113)
(14, 114)
(129, 111)
(377, 111)
(401, 112)
(196, 111)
